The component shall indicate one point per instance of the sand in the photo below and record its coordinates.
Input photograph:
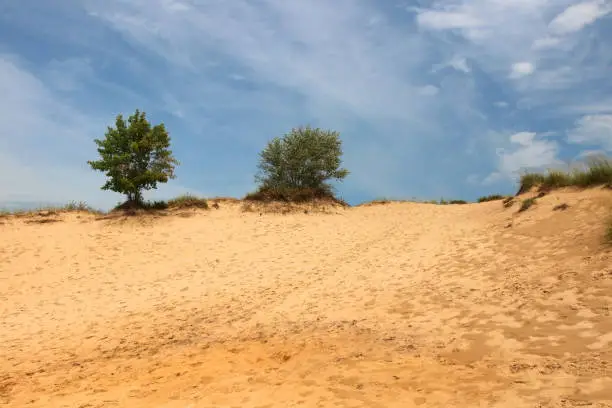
(394, 305)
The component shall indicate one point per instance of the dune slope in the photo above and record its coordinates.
(396, 305)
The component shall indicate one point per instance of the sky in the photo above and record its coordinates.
(448, 98)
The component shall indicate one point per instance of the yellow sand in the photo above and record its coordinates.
(395, 305)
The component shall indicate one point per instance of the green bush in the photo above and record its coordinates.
(293, 195)
(131, 205)
(188, 201)
(299, 165)
(526, 204)
(492, 197)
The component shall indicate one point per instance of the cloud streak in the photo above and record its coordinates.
(424, 97)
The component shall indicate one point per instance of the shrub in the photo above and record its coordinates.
(142, 205)
(530, 180)
(492, 197)
(79, 206)
(135, 157)
(293, 195)
(596, 171)
(188, 201)
(526, 204)
(457, 202)
(304, 159)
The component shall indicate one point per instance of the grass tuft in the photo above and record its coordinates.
(72, 206)
(293, 195)
(526, 204)
(492, 197)
(597, 171)
(188, 201)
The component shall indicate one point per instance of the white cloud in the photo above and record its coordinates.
(460, 64)
(576, 17)
(316, 63)
(546, 42)
(357, 66)
(429, 90)
(442, 20)
(590, 153)
(593, 130)
(521, 69)
(495, 34)
(456, 62)
(526, 150)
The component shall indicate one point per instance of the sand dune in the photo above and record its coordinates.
(395, 305)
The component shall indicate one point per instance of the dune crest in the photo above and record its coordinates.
(389, 305)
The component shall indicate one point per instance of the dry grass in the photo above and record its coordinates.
(492, 197)
(527, 204)
(72, 206)
(294, 195)
(595, 172)
(188, 201)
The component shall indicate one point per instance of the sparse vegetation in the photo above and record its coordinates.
(298, 166)
(492, 197)
(561, 207)
(293, 195)
(188, 201)
(596, 171)
(457, 202)
(526, 204)
(180, 202)
(72, 206)
(508, 202)
(135, 156)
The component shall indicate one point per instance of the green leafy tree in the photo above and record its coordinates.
(135, 156)
(305, 158)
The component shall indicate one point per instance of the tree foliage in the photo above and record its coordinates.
(304, 159)
(135, 156)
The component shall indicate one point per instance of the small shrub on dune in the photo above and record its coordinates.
(131, 206)
(457, 202)
(293, 195)
(492, 197)
(527, 204)
(529, 181)
(597, 171)
(80, 206)
(188, 201)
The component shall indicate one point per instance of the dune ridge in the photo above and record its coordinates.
(386, 305)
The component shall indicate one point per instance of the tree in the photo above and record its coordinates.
(135, 157)
(305, 158)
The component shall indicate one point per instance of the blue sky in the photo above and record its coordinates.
(448, 98)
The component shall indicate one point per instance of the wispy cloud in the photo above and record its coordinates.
(526, 151)
(520, 69)
(424, 100)
(593, 130)
(577, 16)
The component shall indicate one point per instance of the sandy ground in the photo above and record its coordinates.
(396, 305)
